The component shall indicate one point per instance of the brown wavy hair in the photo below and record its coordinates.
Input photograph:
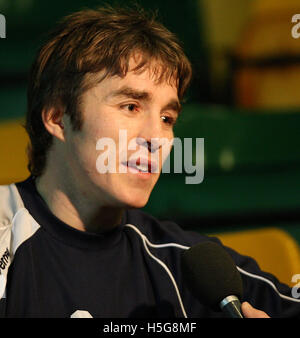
(84, 44)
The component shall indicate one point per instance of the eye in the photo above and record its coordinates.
(130, 107)
(169, 120)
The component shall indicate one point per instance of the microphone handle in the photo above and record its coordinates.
(231, 306)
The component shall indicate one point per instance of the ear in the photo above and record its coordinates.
(53, 122)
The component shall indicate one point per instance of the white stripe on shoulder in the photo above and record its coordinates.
(165, 245)
(249, 274)
(161, 263)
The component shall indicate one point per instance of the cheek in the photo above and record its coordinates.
(82, 151)
(86, 158)
(98, 150)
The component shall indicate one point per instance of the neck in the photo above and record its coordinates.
(80, 213)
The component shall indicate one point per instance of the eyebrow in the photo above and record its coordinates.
(129, 92)
(173, 105)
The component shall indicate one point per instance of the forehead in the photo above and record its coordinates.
(155, 69)
(152, 76)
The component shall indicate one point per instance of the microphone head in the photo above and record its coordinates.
(211, 274)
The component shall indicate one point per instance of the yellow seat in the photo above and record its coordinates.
(260, 81)
(274, 250)
(13, 158)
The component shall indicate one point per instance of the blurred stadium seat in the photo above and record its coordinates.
(13, 141)
(267, 67)
(274, 250)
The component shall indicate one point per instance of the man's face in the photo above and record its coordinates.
(142, 109)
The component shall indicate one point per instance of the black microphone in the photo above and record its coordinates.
(212, 277)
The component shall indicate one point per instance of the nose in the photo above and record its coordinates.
(151, 133)
(152, 145)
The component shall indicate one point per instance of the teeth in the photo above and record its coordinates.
(143, 168)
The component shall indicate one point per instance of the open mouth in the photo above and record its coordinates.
(143, 166)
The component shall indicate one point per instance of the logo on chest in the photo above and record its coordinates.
(4, 260)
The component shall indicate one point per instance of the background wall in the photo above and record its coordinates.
(244, 101)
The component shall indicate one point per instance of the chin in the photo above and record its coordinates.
(136, 204)
(136, 201)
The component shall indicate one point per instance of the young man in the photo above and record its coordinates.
(73, 242)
